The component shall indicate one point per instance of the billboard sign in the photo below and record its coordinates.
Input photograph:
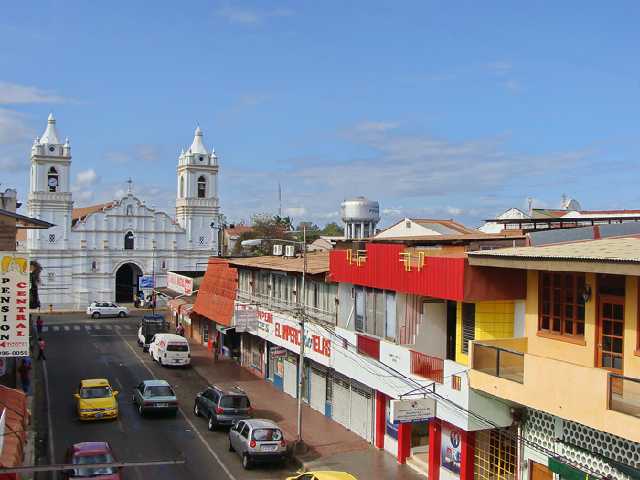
(246, 319)
(412, 410)
(180, 283)
(145, 281)
(14, 305)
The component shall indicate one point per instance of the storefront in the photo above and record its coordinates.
(352, 405)
(253, 354)
(275, 365)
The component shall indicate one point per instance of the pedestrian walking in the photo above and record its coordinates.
(24, 370)
(180, 329)
(39, 325)
(41, 345)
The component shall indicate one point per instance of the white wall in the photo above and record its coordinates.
(432, 330)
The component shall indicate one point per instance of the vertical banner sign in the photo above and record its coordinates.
(14, 305)
(450, 452)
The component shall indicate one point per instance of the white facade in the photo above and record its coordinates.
(98, 254)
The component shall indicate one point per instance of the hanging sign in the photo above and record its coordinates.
(14, 305)
(412, 410)
(145, 281)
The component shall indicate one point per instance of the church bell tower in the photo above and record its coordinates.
(50, 190)
(197, 207)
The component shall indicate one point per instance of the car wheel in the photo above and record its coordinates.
(231, 449)
(122, 314)
(95, 315)
(196, 409)
(211, 424)
(246, 462)
(140, 410)
(160, 361)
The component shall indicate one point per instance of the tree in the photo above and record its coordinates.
(332, 230)
(265, 227)
(312, 232)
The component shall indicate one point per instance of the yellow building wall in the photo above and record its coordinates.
(493, 320)
(631, 359)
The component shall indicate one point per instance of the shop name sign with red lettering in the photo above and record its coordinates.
(285, 332)
(14, 305)
(179, 283)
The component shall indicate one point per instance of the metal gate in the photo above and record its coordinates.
(290, 378)
(361, 411)
(341, 401)
(318, 395)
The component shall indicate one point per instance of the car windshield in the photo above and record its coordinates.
(92, 459)
(267, 435)
(234, 401)
(176, 347)
(95, 392)
(159, 391)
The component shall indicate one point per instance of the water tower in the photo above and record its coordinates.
(360, 216)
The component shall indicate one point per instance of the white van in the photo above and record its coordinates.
(169, 349)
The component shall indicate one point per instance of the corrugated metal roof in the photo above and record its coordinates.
(317, 262)
(626, 250)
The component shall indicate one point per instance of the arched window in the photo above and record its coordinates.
(202, 187)
(52, 179)
(181, 187)
(129, 210)
(128, 241)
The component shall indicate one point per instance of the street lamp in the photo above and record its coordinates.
(301, 308)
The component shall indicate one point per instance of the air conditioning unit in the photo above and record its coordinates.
(277, 250)
(289, 251)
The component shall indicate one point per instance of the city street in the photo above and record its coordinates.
(78, 348)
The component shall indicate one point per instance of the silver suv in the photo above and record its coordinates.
(106, 309)
(257, 440)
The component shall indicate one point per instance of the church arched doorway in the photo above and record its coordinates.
(127, 282)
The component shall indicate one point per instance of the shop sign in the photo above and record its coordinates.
(180, 283)
(287, 333)
(14, 305)
(412, 410)
(278, 352)
(246, 320)
(450, 451)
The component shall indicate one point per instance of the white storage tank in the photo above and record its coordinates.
(360, 216)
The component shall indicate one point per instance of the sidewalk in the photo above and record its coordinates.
(331, 446)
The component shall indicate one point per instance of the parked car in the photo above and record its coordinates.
(96, 400)
(170, 349)
(323, 475)
(149, 326)
(87, 453)
(222, 406)
(106, 309)
(155, 395)
(257, 440)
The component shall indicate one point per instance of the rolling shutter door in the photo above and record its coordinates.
(290, 378)
(341, 400)
(361, 410)
(318, 390)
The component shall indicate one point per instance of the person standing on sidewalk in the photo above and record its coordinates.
(24, 370)
(41, 345)
(39, 325)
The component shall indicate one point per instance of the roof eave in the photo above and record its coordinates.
(557, 264)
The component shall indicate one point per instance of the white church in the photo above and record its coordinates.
(97, 253)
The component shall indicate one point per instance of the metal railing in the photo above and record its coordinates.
(498, 362)
(427, 366)
(624, 394)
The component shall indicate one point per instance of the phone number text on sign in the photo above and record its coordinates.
(14, 305)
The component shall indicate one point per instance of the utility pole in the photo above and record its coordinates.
(302, 339)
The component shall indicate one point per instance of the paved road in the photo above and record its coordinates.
(77, 348)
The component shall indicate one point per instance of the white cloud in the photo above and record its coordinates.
(454, 211)
(252, 16)
(145, 152)
(294, 211)
(499, 67)
(513, 86)
(13, 127)
(12, 93)
(86, 178)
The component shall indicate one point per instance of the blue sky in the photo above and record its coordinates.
(436, 109)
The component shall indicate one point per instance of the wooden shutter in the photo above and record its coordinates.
(468, 325)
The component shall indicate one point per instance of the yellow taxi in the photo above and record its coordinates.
(323, 475)
(96, 400)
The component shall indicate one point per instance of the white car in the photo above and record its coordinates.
(106, 309)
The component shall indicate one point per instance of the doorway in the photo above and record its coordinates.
(127, 282)
(610, 332)
(452, 308)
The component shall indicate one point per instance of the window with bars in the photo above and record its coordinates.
(561, 309)
(495, 454)
(52, 238)
(468, 325)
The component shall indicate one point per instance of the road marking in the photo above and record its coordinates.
(87, 327)
(118, 327)
(55, 329)
(127, 327)
(108, 327)
(187, 419)
(66, 328)
(76, 327)
(46, 388)
(45, 329)
(97, 327)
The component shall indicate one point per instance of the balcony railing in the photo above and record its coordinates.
(427, 366)
(624, 394)
(498, 362)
